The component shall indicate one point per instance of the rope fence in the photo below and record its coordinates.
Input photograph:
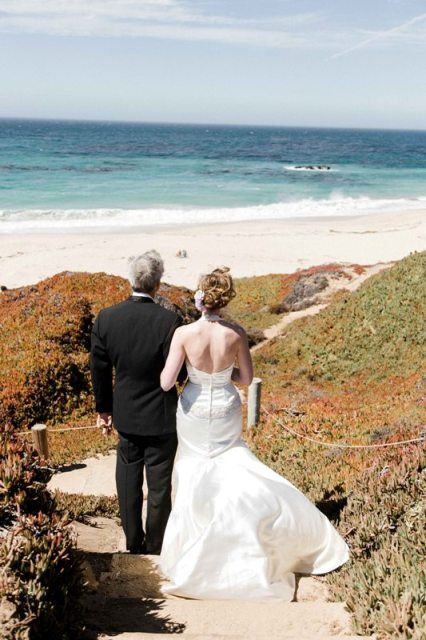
(39, 432)
(344, 445)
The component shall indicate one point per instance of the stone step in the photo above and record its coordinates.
(128, 564)
(226, 618)
(93, 476)
(148, 585)
(127, 587)
(141, 576)
(190, 636)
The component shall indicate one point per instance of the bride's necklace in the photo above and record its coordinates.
(210, 317)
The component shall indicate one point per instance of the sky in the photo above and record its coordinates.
(343, 63)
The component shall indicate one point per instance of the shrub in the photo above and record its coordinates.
(45, 341)
(80, 507)
(22, 481)
(40, 579)
(385, 521)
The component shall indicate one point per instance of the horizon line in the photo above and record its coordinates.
(208, 124)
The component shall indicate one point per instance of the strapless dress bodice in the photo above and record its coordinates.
(209, 412)
(204, 379)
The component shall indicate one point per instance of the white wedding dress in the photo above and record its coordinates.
(237, 529)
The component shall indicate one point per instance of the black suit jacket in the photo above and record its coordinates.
(133, 339)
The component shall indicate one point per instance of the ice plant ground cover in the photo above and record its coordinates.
(356, 373)
(44, 353)
(353, 373)
(40, 578)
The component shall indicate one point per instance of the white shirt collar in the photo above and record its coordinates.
(139, 294)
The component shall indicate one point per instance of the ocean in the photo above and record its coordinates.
(68, 175)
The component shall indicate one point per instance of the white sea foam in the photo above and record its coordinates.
(57, 220)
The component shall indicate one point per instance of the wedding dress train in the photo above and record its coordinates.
(237, 529)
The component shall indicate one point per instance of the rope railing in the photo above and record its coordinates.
(28, 432)
(344, 445)
(40, 432)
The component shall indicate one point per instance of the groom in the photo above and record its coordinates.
(133, 339)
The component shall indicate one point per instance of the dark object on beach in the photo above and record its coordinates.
(182, 253)
(3, 287)
(303, 294)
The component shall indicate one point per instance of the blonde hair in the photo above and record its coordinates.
(218, 288)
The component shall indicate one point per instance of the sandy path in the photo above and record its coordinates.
(126, 602)
(128, 587)
(335, 285)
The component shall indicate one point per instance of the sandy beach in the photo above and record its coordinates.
(249, 248)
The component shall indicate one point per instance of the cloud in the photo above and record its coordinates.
(190, 20)
(403, 31)
(168, 19)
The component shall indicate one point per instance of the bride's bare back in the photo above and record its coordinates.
(209, 345)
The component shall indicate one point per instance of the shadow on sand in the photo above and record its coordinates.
(127, 599)
(71, 467)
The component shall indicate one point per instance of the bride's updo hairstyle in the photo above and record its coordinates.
(218, 288)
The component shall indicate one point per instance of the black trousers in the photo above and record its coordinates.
(156, 454)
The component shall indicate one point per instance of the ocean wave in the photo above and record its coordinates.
(32, 220)
(66, 168)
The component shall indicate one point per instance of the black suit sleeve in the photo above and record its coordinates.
(178, 323)
(101, 370)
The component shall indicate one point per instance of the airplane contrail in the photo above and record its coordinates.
(379, 36)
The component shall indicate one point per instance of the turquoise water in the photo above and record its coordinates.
(64, 175)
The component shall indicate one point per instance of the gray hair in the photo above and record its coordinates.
(146, 271)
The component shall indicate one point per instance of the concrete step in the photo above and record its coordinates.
(126, 602)
(128, 564)
(189, 636)
(93, 476)
(140, 576)
(148, 585)
(227, 618)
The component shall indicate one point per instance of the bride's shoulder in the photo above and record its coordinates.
(233, 326)
(185, 329)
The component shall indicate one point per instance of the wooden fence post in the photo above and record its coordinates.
(39, 432)
(253, 401)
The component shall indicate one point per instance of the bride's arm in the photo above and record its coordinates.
(174, 362)
(244, 372)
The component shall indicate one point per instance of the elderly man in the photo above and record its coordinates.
(133, 339)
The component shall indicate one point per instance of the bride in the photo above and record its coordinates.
(237, 529)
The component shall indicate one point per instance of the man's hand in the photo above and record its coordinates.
(104, 422)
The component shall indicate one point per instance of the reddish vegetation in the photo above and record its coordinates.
(354, 373)
(45, 339)
(303, 289)
(333, 269)
(359, 268)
